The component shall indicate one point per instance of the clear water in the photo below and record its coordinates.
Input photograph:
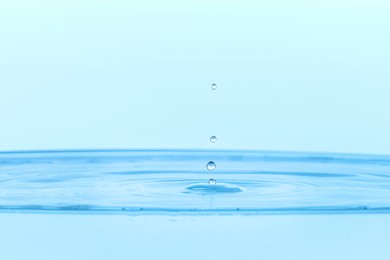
(170, 181)
(166, 205)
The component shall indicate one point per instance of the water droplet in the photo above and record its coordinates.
(213, 139)
(214, 86)
(212, 182)
(211, 166)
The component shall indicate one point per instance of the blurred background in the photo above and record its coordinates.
(291, 75)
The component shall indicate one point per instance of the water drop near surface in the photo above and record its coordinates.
(212, 182)
(211, 166)
(213, 139)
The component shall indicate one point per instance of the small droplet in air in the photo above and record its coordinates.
(214, 86)
(212, 182)
(213, 139)
(211, 166)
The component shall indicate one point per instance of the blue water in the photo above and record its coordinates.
(177, 182)
(158, 204)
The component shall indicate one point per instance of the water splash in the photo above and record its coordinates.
(220, 189)
(212, 182)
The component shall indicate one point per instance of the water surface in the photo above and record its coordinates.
(177, 181)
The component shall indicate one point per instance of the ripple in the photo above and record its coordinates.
(207, 189)
(177, 181)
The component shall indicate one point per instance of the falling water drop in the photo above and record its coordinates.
(214, 86)
(211, 166)
(213, 139)
(212, 182)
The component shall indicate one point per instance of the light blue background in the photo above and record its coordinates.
(271, 237)
(292, 75)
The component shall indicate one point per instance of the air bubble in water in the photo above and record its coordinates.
(213, 139)
(214, 86)
(212, 182)
(211, 166)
